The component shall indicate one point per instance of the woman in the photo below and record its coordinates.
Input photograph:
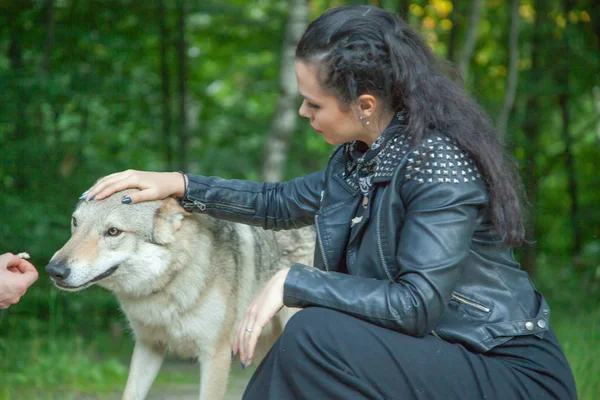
(415, 292)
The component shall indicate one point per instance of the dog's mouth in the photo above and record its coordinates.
(103, 275)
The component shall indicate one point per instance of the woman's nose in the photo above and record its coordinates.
(302, 111)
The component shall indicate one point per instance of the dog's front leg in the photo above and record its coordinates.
(145, 363)
(214, 370)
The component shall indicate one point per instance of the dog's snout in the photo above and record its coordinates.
(58, 272)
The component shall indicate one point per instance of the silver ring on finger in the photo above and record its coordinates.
(248, 330)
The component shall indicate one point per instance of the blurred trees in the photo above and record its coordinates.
(90, 87)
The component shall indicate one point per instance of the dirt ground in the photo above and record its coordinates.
(237, 383)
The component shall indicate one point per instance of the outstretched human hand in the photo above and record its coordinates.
(260, 311)
(152, 186)
(16, 276)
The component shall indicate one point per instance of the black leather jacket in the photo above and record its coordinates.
(425, 261)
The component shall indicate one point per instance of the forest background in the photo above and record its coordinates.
(91, 87)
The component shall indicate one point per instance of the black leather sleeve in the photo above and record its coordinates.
(435, 239)
(274, 206)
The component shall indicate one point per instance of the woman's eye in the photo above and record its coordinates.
(74, 221)
(113, 232)
(314, 106)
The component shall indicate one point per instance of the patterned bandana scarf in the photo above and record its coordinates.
(364, 163)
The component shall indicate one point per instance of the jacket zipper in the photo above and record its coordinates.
(202, 206)
(471, 303)
(321, 243)
(379, 246)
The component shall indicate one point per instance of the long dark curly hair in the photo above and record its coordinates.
(364, 49)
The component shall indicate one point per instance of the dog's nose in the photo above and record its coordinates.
(58, 272)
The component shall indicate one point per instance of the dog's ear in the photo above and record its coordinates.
(167, 221)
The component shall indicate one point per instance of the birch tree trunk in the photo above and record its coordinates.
(284, 120)
(471, 38)
(513, 71)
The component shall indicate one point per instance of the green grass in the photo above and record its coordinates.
(47, 367)
(579, 335)
(66, 367)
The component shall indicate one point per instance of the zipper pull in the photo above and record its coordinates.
(201, 206)
(356, 221)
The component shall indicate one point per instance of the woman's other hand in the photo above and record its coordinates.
(264, 307)
(152, 186)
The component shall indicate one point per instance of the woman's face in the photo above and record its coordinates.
(324, 112)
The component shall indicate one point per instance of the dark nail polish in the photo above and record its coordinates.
(232, 355)
(92, 198)
(126, 200)
(243, 366)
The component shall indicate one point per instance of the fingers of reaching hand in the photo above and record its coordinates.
(113, 183)
(8, 260)
(28, 271)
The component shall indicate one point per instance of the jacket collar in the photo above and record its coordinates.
(378, 163)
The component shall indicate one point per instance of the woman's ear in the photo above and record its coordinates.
(367, 104)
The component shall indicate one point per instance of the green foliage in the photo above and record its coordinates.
(81, 97)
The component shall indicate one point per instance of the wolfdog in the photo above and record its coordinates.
(183, 280)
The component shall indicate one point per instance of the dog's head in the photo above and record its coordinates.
(114, 244)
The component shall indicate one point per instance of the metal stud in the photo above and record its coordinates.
(529, 325)
(542, 323)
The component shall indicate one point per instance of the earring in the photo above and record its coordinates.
(361, 118)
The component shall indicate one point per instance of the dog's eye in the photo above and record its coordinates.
(113, 232)
(74, 221)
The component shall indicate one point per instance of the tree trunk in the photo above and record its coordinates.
(181, 57)
(403, 6)
(45, 69)
(471, 38)
(531, 129)
(455, 18)
(165, 84)
(284, 120)
(596, 94)
(513, 71)
(563, 100)
(49, 42)
(15, 53)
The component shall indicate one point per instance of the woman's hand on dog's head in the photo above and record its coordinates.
(151, 185)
